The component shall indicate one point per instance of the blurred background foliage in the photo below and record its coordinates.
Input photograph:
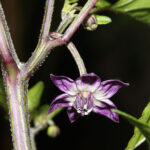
(119, 50)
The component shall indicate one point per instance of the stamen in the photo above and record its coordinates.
(84, 103)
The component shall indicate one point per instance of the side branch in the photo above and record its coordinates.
(79, 19)
(46, 45)
(47, 18)
(7, 51)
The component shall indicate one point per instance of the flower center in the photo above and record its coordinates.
(84, 103)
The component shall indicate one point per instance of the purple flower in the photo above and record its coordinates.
(86, 94)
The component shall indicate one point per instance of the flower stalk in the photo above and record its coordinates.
(77, 58)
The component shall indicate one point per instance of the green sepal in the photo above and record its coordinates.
(41, 115)
(138, 138)
(34, 96)
(102, 20)
(143, 127)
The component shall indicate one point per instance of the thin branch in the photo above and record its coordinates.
(79, 19)
(46, 45)
(77, 58)
(47, 18)
(7, 51)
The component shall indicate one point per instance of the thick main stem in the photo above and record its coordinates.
(17, 98)
(15, 88)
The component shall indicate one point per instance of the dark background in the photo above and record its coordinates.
(119, 50)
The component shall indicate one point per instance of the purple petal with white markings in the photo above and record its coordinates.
(105, 110)
(111, 87)
(65, 84)
(72, 114)
(106, 101)
(60, 101)
(88, 82)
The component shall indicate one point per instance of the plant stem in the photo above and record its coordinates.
(17, 99)
(45, 46)
(47, 18)
(77, 58)
(7, 51)
(15, 89)
(79, 19)
(34, 132)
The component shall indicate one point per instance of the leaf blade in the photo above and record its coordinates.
(143, 127)
(34, 95)
(138, 138)
(138, 9)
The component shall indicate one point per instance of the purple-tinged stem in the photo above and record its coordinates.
(47, 19)
(15, 85)
(17, 98)
(46, 45)
(74, 52)
(7, 51)
(79, 19)
(77, 58)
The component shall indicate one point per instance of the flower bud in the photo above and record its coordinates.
(90, 23)
(53, 131)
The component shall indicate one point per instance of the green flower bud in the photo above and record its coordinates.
(53, 131)
(41, 115)
(91, 22)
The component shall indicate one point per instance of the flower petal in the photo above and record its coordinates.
(108, 88)
(88, 82)
(72, 114)
(106, 110)
(106, 101)
(65, 84)
(63, 100)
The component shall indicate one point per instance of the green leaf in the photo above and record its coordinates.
(54, 113)
(34, 95)
(138, 9)
(138, 137)
(102, 20)
(73, 1)
(129, 5)
(103, 4)
(143, 127)
(3, 99)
